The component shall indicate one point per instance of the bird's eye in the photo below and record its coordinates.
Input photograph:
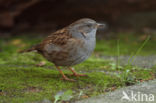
(89, 25)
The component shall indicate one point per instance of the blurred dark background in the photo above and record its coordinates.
(44, 16)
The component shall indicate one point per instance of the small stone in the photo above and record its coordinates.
(42, 63)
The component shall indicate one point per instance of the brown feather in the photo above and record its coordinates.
(59, 38)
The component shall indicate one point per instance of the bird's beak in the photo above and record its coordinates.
(99, 25)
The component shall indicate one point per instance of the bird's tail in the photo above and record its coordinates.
(33, 48)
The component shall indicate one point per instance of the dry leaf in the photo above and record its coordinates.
(84, 96)
(16, 42)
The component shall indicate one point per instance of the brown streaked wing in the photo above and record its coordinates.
(59, 38)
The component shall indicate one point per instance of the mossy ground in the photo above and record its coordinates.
(22, 81)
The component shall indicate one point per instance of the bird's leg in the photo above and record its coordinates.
(76, 74)
(64, 76)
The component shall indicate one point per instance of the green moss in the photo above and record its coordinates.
(21, 81)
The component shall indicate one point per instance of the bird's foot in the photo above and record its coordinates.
(76, 74)
(79, 75)
(67, 79)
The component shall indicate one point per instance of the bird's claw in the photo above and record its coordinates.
(79, 75)
(67, 79)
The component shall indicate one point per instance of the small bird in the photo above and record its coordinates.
(69, 46)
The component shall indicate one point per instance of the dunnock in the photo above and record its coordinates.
(69, 46)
